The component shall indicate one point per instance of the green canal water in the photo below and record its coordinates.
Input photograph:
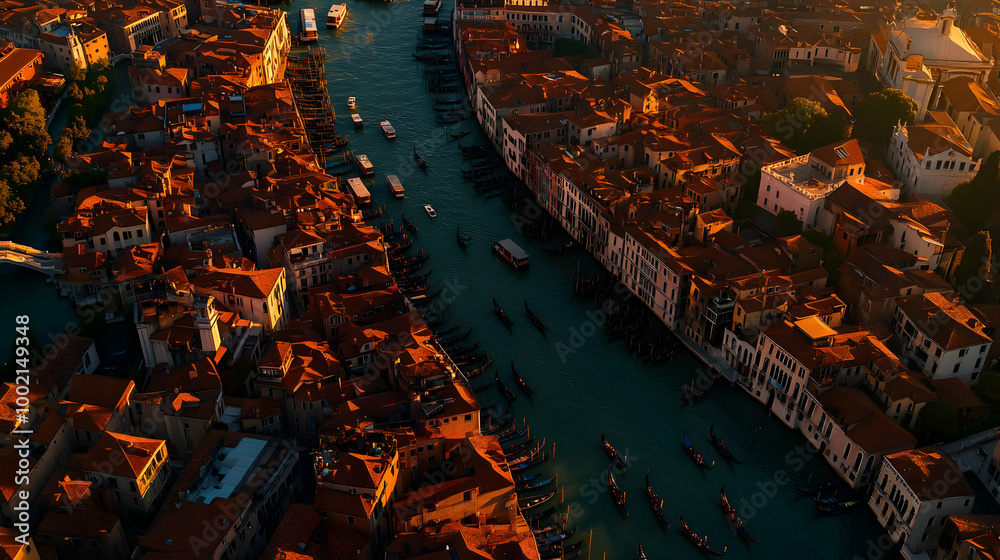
(596, 387)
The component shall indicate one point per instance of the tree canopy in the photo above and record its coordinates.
(976, 200)
(976, 259)
(25, 122)
(787, 223)
(804, 125)
(877, 114)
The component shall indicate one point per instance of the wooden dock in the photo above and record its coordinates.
(306, 74)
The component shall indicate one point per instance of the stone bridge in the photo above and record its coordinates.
(31, 258)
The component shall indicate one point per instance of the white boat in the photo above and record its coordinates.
(431, 7)
(395, 185)
(387, 129)
(336, 16)
(358, 122)
(430, 210)
(307, 25)
(365, 165)
(359, 191)
(352, 103)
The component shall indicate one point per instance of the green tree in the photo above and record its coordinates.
(75, 131)
(877, 114)
(21, 173)
(976, 259)
(787, 223)
(10, 204)
(975, 201)
(25, 121)
(804, 125)
(939, 420)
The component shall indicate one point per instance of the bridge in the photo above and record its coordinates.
(31, 258)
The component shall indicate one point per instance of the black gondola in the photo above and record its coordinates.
(515, 435)
(534, 318)
(455, 338)
(699, 542)
(639, 553)
(721, 446)
(407, 223)
(504, 318)
(734, 519)
(532, 463)
(557, 551)
(656, 502)
(525, 457)
(616, 493)
(535, 484)
(462, 134)
(482, 367)
(537, 501)
(500, 430)
(516, 448)
(617, 458)
(420, 161)
(694, 455)
(531, 519)
(504, 390)
(520, 381)
(816, 488)
(557, 538)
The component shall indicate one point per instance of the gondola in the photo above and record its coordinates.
(520, 381)
(557, 551)
(735, 521)
(447, 331)
(539, 516)
(535, 484)
(557, 538)
(515, 435)
(504, 390)
(525, 457)
(699, 542)
(838, 507)
(516, 448)
(465, 350)
(462, 134)
(482, 367)
(463, 240)
(501, 430)
(407, 223)
(616, 494)
(721, 446)
(455, 338)
(524, 478)
(617, 458)
(504, 318)
(656, 502)
(537, 501)
(694, 455)
(532, 463)
(639, 553)
(534, 318)
(420, 161)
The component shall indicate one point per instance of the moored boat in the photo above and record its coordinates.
(504, 390)
(842, 506)
(307, 25)
(407, 223)
(536, 501)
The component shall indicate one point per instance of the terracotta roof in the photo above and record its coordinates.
(100, 390)
(952, 324)
(923, 468)
(256, 284)
(106, 457)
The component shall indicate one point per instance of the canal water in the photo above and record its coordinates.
(583, 384)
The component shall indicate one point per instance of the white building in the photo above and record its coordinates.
(914, 492)
(921, 54)
(801, 184)
(940, 337)
(933, 157)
